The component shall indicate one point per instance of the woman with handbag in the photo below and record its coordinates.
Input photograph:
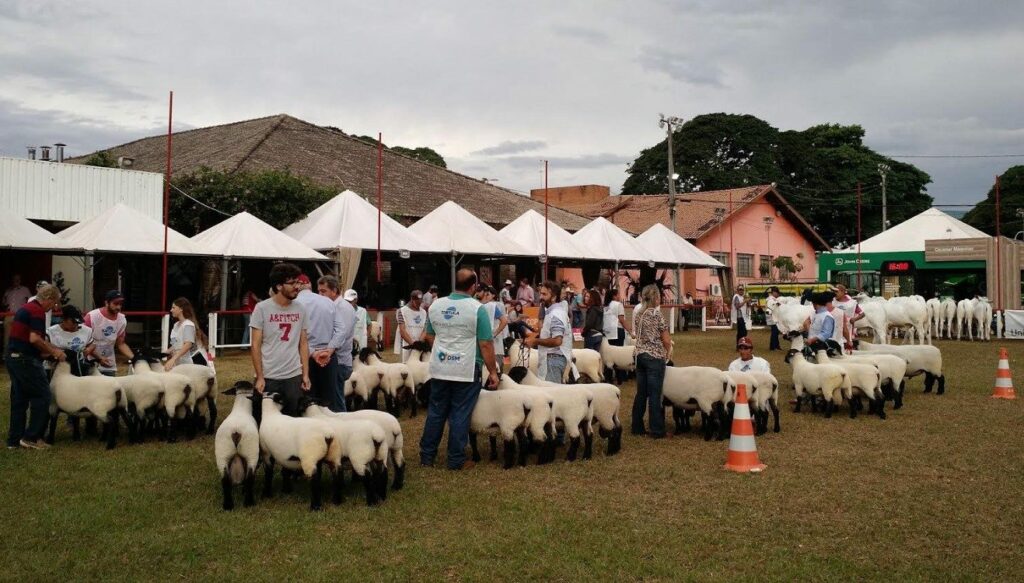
(187, 342)
(653, 348)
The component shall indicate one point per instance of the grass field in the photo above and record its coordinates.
(932, 493)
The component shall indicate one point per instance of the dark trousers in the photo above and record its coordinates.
(773, 342)
(450, 401)
(593, 342)
(338, 403)
(30, 393)
(650, 376)
(619, 340)
(741, 328)
(323, 381)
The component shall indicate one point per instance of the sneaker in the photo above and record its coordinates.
(466, 465)
(37, 444)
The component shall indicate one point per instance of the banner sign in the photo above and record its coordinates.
(1013, 324)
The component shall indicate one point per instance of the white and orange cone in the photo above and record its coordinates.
(742, 449)
(1004, 383)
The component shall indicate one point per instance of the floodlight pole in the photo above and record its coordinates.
(547, 258)
(882, 170)
(670, 123)
(999, 287)
(859, 287)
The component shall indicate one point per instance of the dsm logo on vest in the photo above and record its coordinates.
(447, 357)
(450, 312)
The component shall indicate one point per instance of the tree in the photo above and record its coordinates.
(101, 158)
(1011, 198)
(423, 154)
(816, 170)
(277, 197)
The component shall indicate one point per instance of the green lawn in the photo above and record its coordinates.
(932, 493)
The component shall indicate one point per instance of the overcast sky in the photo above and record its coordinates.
(495, 87)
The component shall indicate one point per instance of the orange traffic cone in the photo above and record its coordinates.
(1004, 384)
(742, 449)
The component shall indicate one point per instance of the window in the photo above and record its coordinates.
(721, 257)
(765, 268)
(744, 265)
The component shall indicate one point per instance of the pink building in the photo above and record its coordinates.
(745, 228)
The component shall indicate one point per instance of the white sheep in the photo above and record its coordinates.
(298, 445)
(144, 393)
(862, 378)
(572, 406)
(419, 366)
(925, 360)
(507, 412)
(399, 388)
(934, 306)
(177, 388)
(790, 317)
(607, 401)
(589, 364)
(964, 317)
(89, 396)
(948, 317)
(360, 442)
(810, 379)
(874, 318)
(765, 398)
(392, 433)
(702, 387)
(617, 357)
(983, 318)
(203, 398)
(912, 313)
(891, 368)
(367, 379)
(521, 355)
(236, 447)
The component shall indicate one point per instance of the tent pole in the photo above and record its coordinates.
(223, 297)
(453, 271)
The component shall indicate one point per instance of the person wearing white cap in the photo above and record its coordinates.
(362, 333)
(505, 294)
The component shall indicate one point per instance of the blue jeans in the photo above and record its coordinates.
(773, 342)
(556, 368)
(30, 392)
(452, 401)
(650, 376)
(338, 402)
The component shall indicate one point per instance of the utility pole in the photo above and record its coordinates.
(1020, 213)
(882, 170)
(670, 123)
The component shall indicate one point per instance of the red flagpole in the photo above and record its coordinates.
(380, 194)
(859, 285)
(547, 259)
(167, 199)
(999, 287)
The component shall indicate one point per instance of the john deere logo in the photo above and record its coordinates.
(450, 312)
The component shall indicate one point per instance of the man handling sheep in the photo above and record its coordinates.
(554, 344)
(108, 332)
(280, 345)
(460, 332)
(747, 362)
(822, 325)
(412, 324)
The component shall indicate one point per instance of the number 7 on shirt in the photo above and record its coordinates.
(286, 331)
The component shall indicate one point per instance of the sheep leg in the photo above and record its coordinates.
(225, 487)
(547, 449)
(615, 442)
(775, 413)
(338, 485)
(880, 404)
(705, 425)
(52, 432)
(211, 405)
(799, 399)
(382, 483)
(679, 420)
(248, 485)
(723, 420)
(413, 404)
(854, 406)
(929, 381)
(92, 426)
(493, 439)
(110, 428)
(942, 385)
(588, 439)
(510, 452)
(316, 488)
(523, 440)
(268, 477)
(399, 480)
(574, 446)
(391, 405)
(286, 480)
(473, 445)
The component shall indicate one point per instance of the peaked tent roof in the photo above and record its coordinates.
(122, 229)
(347, 220)
(331, 158)
(21, 233)
(603, 239)
(528, 231)
(454, 230)
(667, 247)
(245, 236)
(911, 234)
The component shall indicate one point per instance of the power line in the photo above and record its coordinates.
(199, 202)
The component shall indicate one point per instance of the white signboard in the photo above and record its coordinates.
(1013, 324)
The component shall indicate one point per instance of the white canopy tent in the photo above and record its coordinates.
(22, 234)
(911, 234)
(347, 224)
(604, 240)
(122, 229)
(529, 230)
(454, 230)
(668, 247)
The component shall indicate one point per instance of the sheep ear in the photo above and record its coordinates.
(231, 391)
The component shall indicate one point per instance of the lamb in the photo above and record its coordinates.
(520, 355)
(589, 364)
(706, 388)
(367, 378)
(764, 398)
(617, 357)
(298, 444)
(236, 446)
(399, 388)
(920, 359)
(861, 377)
(607, 401)
(573, 406)
(361, 442)
(891, 368)
(825, 380)
(419, 366)
(394, 440)
(98, 396)
(203, 399)
(177, 388)
(144, 394)
(508, 412)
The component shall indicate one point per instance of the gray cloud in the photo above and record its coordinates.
(680, 67)
(588, 35)
(510, 147)
(583, 161)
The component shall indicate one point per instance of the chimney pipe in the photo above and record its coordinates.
(44, 153)
(60, 151)
(31, 152)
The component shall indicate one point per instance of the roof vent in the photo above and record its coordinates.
(31, 152)
(44, 153)
(59, 147)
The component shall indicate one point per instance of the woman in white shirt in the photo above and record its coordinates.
(615, 319)
(188, 343)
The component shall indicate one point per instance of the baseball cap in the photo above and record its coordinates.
(71, 313)
(351, 294)
(113, 295)
(774, 288)
(508, 282)
(415, 294)
(745, 342)
(303, 279)
(41, 283)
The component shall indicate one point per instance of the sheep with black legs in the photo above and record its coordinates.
(862, 380)
(175, 407)
(419, 366)
(203, 399)
(144, 393)
(816, 380)
(607, 401)
(366, 381)
(507, 412)
(299, 445)
(572, 407)
(921, 359)
(765, 398)
(891, 368)
(617, 357)
(392, 433)
(89, 396)
(702, 388)
(360, 442)
(236, 446)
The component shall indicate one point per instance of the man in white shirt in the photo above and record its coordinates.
(771, 305)
(747, 362)
(109, 328)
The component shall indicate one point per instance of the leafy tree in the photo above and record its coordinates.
(101, 158)
(1011, 198)
(423, 154)
(816, 170)
(279, 198)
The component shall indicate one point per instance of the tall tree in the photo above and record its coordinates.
(278, 198)
(816, 169)
(1011, 199)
